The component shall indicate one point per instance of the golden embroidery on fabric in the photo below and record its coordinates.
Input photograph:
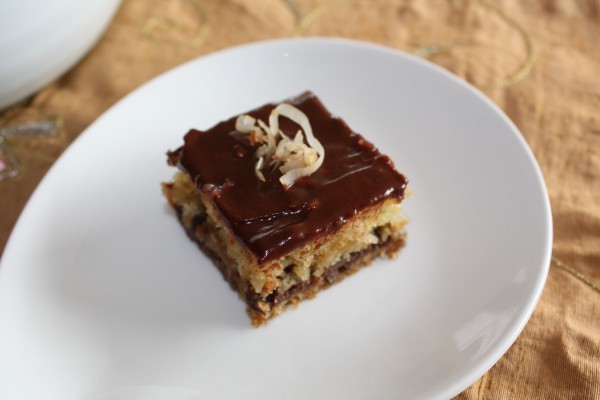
(304, 21)
(576, 274)
(175, 32)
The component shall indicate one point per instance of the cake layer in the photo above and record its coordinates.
(269, 220)
(268, 290)
(278, 301)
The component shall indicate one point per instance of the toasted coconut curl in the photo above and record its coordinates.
(293, 157)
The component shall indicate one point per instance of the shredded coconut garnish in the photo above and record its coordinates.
(294, 158)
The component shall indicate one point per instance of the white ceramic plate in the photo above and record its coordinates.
(102, 296)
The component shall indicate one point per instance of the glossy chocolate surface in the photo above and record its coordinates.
(272, 221)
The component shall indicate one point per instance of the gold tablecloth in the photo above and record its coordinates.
(538, 60)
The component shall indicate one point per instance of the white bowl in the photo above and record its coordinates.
(40, 40)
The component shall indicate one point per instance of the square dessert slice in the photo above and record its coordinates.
(286, 200)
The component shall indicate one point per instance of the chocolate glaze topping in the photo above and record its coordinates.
(269, 220)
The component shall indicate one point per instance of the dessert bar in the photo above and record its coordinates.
(286, 200)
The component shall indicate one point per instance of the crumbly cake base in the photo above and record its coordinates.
(309, 290)
(333, 274)
(292, 284)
